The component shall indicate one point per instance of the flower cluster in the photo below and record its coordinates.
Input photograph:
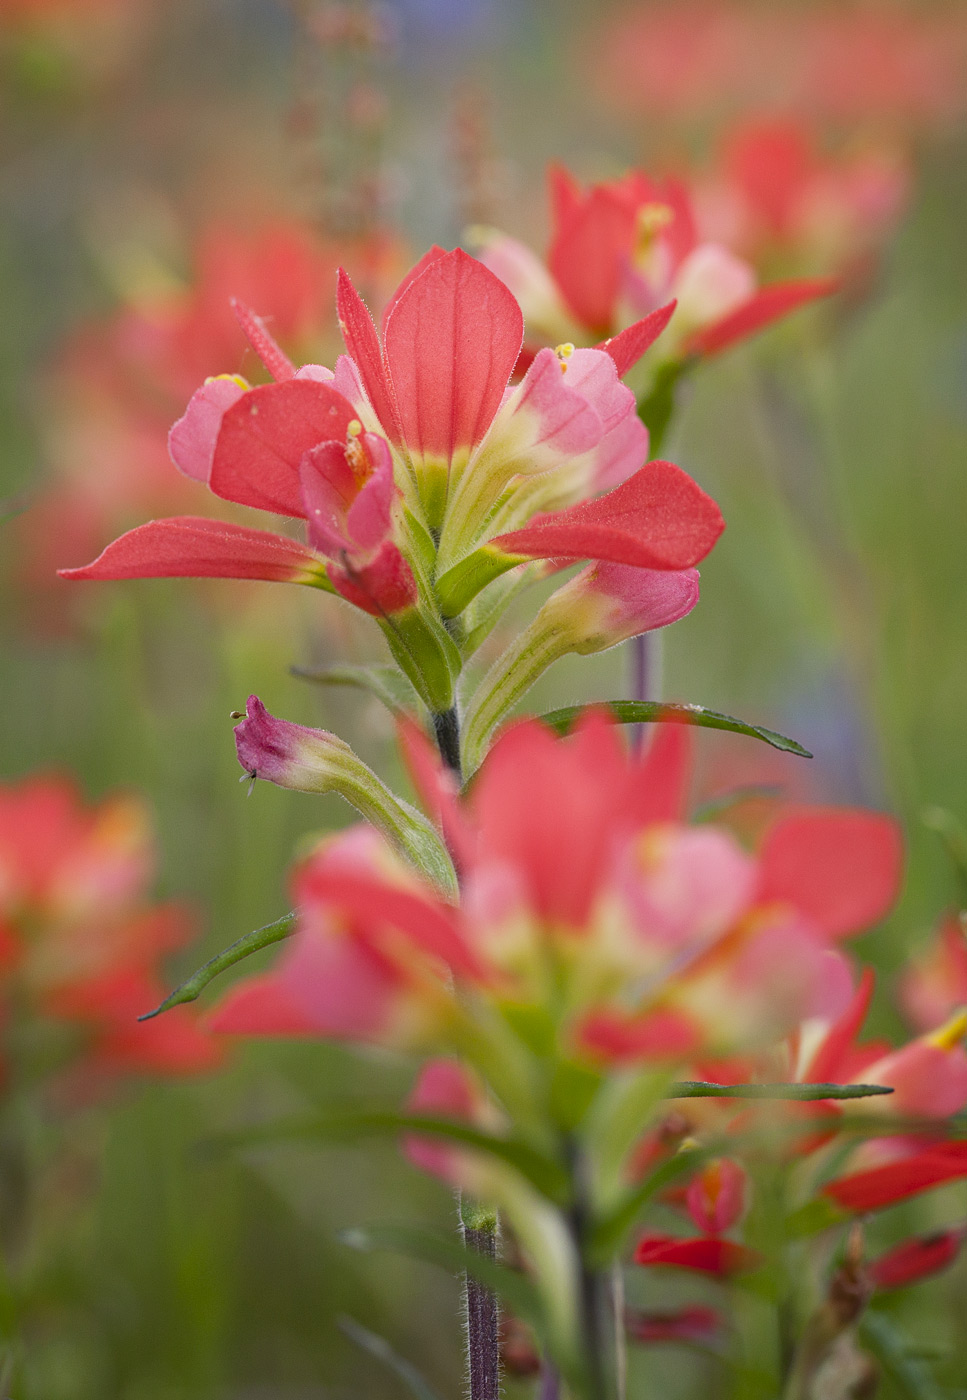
(81, 943)
(424, 475)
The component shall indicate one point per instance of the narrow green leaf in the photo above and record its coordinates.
(614, 1225)
(697, 1089)
(814, 1217)
(910, 1375)
(379, 1348)
(653, 712)
(545, 1175)
(448, 1253)
(951, 831)
(385, 682)
(228, 957)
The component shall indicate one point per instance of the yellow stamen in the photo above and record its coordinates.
(354, 428)
(652, 218)
(952, 1032)
(564, 353)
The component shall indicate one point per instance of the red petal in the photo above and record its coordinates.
(842, 868)
(417, 270)
(189, 546)
(590, 251)
(768, 305)
(662, 776)
(273, 357)
(896, 1181)
(565, 193)
(657, 519)
(627, 347)
(690, 1324)
(264, 437)
(362, 343)
(260, 1006)
(916, 1259)
(451, 344)
(827, 1065)
(707, 1255)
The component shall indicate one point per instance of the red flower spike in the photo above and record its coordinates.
(916, 1259)
(191, 546)
(708, 1255)
(769, 304)
(842, 868)
(897, 1181)
(273, 357)
(451, 344)
(264, 436)
(658, 519)
(627, 347)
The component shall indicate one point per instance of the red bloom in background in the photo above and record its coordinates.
(118, 385)
(630, 248)
(80, 942)
(777, 197)
(693, 60)
(934, 983)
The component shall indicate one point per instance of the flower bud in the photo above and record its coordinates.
(716, 1196)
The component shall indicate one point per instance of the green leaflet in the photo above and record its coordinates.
(379, 1348)
(385, 682)
(698, 1089)
(544, 1174)
(910, 1374)
(610, 1230)
(653, 712)
(228, 957)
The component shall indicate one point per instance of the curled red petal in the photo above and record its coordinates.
(706, 1254)
(896, 1181)
(362, 344)
(915, 1259)
(842, 868)
(264, 436)
(657, 519)
(767, 305)
(191, 546)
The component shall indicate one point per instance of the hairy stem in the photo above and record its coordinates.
(446, 727)
(483, 1323)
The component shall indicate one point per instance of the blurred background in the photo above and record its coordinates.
(159, 156)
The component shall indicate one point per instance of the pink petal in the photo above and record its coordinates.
(191, 441)
(827, 1064)
(260, 1006)
(841, 868)
(264, 437)
(417, 270)
(720, 1258)
(897, 1181)
(658, 519)
(273, 357)
(590, 251)
(190, 546)
(451, 344)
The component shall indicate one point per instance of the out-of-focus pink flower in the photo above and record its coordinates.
(80, 942)
(627, 253)
(690, 60)
(916, 1259)
(777, 198)
(707, 1255)
(715, 1198)
(582, 888)
(934, 982)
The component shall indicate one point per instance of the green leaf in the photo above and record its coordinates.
(448, 1253)
(545, 1175)
(657, 408)
(385, 682)
(653, 712)
(814, 1217)
(954, 837)
(615, 1122)
(910, 1375)
(235, 952)
(698, 1089)
(379, 1348)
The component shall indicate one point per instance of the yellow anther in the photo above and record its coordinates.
(235, 378)
(354, 428)
(689, 1144)
(564, 353)
(652, 218)
(952, 1032)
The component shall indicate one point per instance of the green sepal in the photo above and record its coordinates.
(654, 712)
(657, 408)
(385, 682)
(808, 1093)
(426, 653)
(192, 989)
(424, 546)
(461, 583)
